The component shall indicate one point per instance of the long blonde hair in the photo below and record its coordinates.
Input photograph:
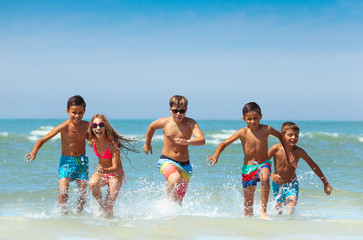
(122, 143)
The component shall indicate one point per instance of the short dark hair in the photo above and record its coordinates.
(251, 107)
(76, 100)
(289, 125)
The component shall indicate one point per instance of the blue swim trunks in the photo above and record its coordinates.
(281, 192)
(73, 167)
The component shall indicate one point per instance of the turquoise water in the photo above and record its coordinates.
(213, 206)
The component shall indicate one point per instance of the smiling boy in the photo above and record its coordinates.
(285, 185)
(174, 160)
(73, 162)
(256, 165)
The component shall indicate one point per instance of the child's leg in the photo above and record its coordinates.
(114, 184)
(290, 204)
(248, 194)
(264, 177)
(95, 184)
(63, 194)
(172, 187)
(82, 187)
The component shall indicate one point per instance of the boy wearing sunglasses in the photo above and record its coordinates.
(73, 162)
(174, 160)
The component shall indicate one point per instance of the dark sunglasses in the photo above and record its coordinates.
(175, 111)
(101, 124)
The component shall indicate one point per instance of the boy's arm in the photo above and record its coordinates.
(31, 156)
(276, 178)
(277, 134)
(214, 159)
(327, 187)
(150, 133)
(198, 137)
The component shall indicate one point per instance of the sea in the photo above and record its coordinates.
(213, 205)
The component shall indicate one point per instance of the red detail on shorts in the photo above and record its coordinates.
(169, 169)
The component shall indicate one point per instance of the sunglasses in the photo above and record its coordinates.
(101, 124)
(175, 111)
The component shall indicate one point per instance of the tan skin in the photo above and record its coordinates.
(254, 139)
(74, 133)
(285, 170)
(106, 166)
(178, 131)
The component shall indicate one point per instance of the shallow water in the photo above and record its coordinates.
(213, 205)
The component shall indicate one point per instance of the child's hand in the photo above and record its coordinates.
(147, 148)
(276, 178)
(181, 141)
(31, 156)
(327, 189)
(100, 169)
(213, 160)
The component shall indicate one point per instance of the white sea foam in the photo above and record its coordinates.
(313, 134)
(39, 133)
(217, 138)
(360, 139)
(4, 134)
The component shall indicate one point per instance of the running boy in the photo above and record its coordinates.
(256, 165)
(285, 186)
(174, 160)
(73, 162)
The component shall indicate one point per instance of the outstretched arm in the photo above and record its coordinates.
(31, 156)
(214, 159)
(327, 187)
(149, 135)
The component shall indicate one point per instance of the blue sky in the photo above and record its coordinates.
(299, 60)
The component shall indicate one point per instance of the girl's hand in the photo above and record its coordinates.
(100, 169)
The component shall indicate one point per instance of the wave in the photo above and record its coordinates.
(40, 132)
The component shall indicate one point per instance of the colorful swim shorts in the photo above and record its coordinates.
(281, 192)
(169, 166)
(250, 173)
(73, 167)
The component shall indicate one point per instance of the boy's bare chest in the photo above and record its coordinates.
(179, 131)
(74, 134)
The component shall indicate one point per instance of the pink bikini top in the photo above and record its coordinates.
(106, 155)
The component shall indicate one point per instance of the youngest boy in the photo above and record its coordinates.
(174, 160)
(285, 185)
(73, 162)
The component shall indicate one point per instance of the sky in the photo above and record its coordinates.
(299, 60)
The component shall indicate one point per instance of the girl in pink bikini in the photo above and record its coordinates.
(107, 144)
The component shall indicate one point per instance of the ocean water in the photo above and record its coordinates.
(213, 206)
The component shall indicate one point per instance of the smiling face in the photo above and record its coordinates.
(76, 114)
(98, 128)
(252, 119)
(291, 137)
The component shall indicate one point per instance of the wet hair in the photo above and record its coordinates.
(289, 125)
(251, 107)
(122, 143)
(178, 101)
(76, 100)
